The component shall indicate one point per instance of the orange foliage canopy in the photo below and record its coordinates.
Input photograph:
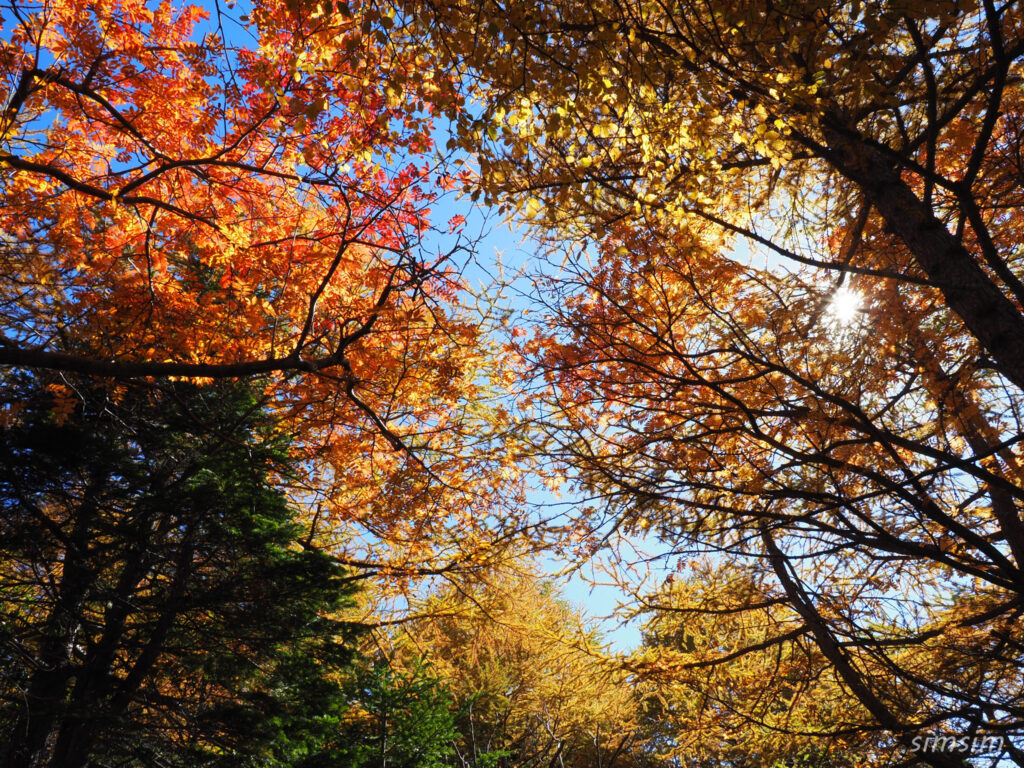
(198, 195)
(196, 204)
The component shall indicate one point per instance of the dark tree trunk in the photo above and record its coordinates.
(989, 315)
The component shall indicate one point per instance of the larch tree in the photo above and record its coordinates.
(527, 674)
(844, 422)
(739, 688)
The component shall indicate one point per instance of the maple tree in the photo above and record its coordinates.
(193, 192)
(843, 422)
(205, 210)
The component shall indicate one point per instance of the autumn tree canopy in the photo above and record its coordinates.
(217, 192)
(204, 207)
(781, 328)
(784, 312)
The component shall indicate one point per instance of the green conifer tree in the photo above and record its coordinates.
(157, 606)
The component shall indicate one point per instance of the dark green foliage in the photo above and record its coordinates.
(156, 606)
(404, 720)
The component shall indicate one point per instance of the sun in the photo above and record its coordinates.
(844, 307)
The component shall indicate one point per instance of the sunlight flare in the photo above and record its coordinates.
(844, 307)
